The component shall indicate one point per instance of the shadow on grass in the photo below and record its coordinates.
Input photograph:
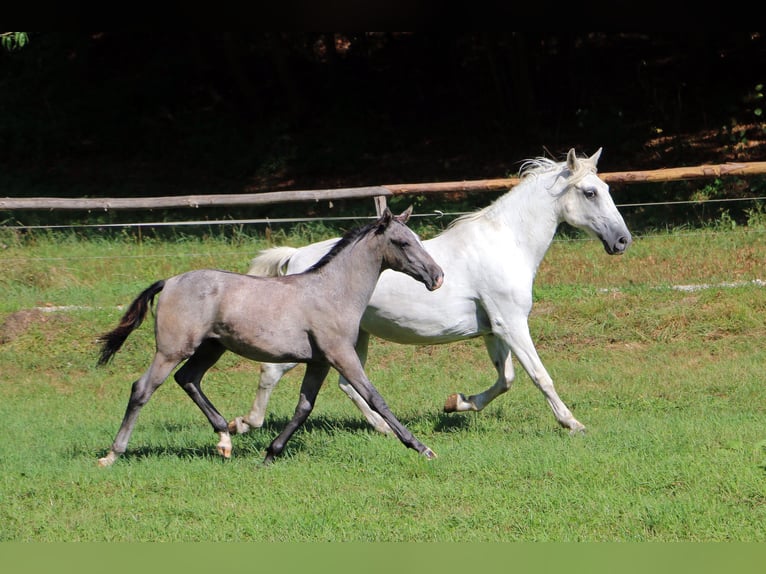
(254, 443)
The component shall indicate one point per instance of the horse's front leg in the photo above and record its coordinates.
(271, 373)
(514, 335)
(524, 348)
(312, 382)
(375, 420)
(351, 369)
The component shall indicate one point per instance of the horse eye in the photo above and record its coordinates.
(589, 193)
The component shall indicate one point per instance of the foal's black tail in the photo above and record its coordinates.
(131, 320)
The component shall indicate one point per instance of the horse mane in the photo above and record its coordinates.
(535, 167)
(348, 238)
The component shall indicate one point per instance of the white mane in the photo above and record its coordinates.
(535, 167)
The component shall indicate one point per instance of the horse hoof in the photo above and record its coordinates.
(575, 431)
(429, 454)
(238, 426)
(452, 402)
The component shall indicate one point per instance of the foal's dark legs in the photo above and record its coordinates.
(312, 382)
(189, 377)
(140, 393)
(353, 372)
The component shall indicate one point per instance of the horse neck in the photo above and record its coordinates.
(528, 215)
(352, 274)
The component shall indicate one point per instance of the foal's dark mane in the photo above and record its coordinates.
(348, 238)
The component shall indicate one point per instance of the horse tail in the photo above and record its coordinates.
(131, 320)
(271, 262)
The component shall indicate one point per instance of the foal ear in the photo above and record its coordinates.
(385, 218)
(404, 216)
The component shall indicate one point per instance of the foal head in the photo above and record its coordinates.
(400, 248)
(403, 251)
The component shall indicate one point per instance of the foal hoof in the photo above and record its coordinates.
(108, 460)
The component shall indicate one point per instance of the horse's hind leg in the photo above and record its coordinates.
(190, 376)
(271, 373)
(312, 382)
(140, 394)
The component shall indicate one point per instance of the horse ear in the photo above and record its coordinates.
(572, 160)
(386, 217)
(404, 216)
(595, 156)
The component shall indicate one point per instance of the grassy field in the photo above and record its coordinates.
(668, 380)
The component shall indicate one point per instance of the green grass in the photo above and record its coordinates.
(669, 383)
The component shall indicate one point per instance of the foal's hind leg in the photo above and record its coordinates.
(190, 376)
(312, 382)
(140, 394)
(271, 373)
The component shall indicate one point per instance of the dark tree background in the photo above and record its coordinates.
(140, 113)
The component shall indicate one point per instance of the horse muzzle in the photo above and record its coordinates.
(617, 246)
(436, 283)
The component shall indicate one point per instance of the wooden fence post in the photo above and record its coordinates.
(380, 204)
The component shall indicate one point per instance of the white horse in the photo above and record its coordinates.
(490, 259)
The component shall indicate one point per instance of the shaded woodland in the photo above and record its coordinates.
(140, 114)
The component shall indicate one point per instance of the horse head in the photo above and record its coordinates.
(588, 205)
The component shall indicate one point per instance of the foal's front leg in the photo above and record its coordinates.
(312, 382)
(350, 368)
(375, 420)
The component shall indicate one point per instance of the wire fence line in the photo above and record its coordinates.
(378, 193)
(435, 214)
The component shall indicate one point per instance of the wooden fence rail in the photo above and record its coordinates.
(379, 193)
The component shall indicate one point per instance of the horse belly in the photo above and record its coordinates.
(420, 326)
(262, 319)
(271, 342)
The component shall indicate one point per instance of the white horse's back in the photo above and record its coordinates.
(284, 260)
